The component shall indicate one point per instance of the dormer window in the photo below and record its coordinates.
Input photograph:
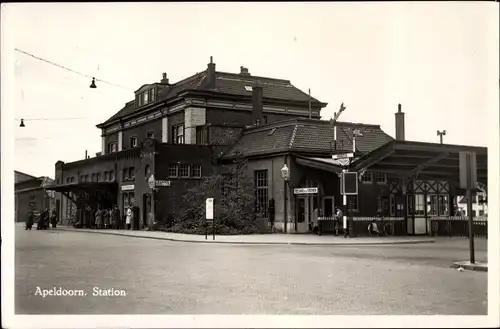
(146, 97)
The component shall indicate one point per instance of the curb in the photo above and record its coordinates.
(481, 267)
(252, 243)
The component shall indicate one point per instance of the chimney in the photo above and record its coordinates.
(211, 73)
(257, 104)
(244, 71)
(164, 80)
(400, 124)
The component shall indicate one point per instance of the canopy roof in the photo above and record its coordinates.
(407, 159)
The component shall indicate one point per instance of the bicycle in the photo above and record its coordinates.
(384, 229)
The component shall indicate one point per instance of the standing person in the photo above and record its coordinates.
(150, 222)
(98, 218)
(118, 217)
(337, 222)
(54, 218)
(105, 217)
(46, 219)
(129, 218)
(30, 220)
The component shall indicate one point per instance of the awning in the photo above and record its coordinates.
(407, 159)
(86, 186)
(327, 164)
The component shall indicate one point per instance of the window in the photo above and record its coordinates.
(93, 177)
(367, 177)
(173, 170)
(133, 142)
(444, 205)
(138, 100)
(419, 205)
(112, 147)
(153, 94)
(432, 205)
(86, 178)
(381, 178)
(146, 94)
(184, 172)
(392, 205)
(112, 175)
(352, 202)
(98, 177)
(199, 135)
(410, 205)
(261, 193)
(196, 171)
(265, 119)
(131, 173)
(125, 174)
(106, 176)
(178, 134)
(481, 212)
(150, 134)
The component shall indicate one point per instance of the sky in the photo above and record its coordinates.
(439, 60)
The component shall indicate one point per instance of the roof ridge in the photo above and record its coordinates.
(250, 77)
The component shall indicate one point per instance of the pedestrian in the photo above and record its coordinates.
(30, 220)
(45, 220)
(117, 218)
(98, 218)
(54, 218)
(105, 217)
(129, 218)
(151, 224)
(337, 220)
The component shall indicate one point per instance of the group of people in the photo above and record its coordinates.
(111, 218)
(43, 221)
(339, 223)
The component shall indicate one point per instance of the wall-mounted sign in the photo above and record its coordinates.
(162, 183)
(305, 190)
(343, 156)
(349, 183)
(128, 187)
(151, 181)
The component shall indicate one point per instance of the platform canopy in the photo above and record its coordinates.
(106, 190)
(407, 159)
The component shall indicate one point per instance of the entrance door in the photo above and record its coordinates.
(303, 214)
(147, 209)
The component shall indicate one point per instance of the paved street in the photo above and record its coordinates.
(167, 277)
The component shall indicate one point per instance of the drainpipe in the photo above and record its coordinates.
(285, 219)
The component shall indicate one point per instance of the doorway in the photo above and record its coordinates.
(146, 209)
(303, 214)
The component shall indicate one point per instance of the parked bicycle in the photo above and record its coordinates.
(383, 228)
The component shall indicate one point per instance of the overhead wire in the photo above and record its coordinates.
(69, 69)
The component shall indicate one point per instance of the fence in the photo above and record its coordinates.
(458, 226)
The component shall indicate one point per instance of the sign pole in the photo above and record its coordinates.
(213, 228)
(206, 229)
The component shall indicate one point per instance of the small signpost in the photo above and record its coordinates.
(343, 156)
(209, 217)
(468, 181)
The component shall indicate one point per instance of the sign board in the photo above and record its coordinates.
(151, 181)
(210, 208)
(468, 170)
(343, 156)
(305, 190)
(128, 187)
(349, 183)
(162, 183)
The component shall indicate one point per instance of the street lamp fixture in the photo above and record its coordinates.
(92, 85)
(22, 123)
(285, 173)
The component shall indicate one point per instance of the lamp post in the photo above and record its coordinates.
(285, 173)
(441, 134)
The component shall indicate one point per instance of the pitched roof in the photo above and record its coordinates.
(225, 83)
(307, 136)
(21, 177)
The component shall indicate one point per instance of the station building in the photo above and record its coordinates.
(181, 132)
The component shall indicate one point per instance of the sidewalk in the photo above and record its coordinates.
(280, 239)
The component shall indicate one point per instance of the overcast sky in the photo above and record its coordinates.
(439, 60)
